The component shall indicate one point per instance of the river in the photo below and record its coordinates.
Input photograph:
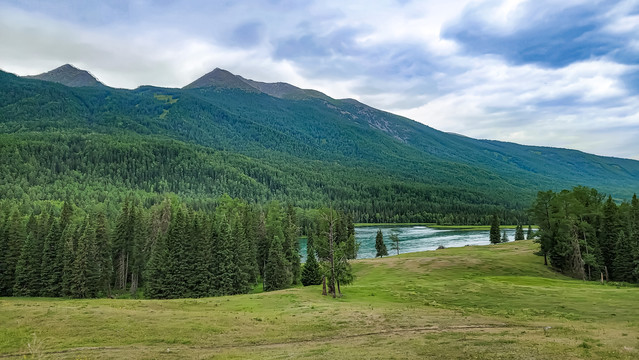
(414, 239)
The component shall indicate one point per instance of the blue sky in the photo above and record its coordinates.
(557, 73)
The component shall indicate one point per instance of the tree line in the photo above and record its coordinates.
(587, 235)
(169, 250)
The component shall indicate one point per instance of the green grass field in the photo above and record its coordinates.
(479, 302)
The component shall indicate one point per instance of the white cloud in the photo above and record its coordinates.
(388, 55)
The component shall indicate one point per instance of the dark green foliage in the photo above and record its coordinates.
(519, 233)
(380, 246)
(529, 233)
(103, 253)
(27, 273)
(624, 258)
(85, 277)
(504, 237)
(394, 238)
(609, 233)
(495, 236)
(291, 244)
(52, 264)
(576, 232)
(276, 274)
(311, 272)
(11, 240)
(68, 259)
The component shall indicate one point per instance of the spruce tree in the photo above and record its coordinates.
(67, 255)
(609, 233)
(504, 237)
(495, 236)
(85, 277)
(276, 274)
(519, 233)
(200, 278)
(291, 244)
(624, 259)
(311, 272)
(13, 242)
(157, 271)
(27, 273)
(380, 247)
(177, 258)
(395, 242)
(103, 254)
(51, 267)
(529, 234)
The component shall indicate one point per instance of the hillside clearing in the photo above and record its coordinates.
(486, 302)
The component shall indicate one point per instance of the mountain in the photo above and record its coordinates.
(68, 75)
(226, 134)
(222, 79)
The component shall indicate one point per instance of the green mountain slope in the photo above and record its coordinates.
(226, 134)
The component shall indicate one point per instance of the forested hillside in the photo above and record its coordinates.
(96, 144)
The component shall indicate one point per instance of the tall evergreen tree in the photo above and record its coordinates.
(495, 236)
(291, 244)
(394, 238)
(85, 276)
(519, 233)
(157, 271)
(609, 234)
(311, 272)
(14, 239)
(104, 250)
(27, 275)
(52, 264)
(624, 261)
(67, 255)
(380, 247)
(276, 274)
(529, 233)
(504, 237)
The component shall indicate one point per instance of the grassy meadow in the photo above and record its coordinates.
(479, 302)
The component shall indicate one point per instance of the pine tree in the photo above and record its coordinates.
(291, 244)
(276, 274)
(52, 267)
(519, 233)
(67, 255)
(504, 237)
(65, 215)
(624, 259)
(394, 242)
(495, 237)
(85, 277)
(13, 242)
(608, 234)
(122, 243)
(380, 247)
(103, 254)
(200, 278)
(311, 272)
(27, 273)
(176, 281)
(157, 272)
(529, 233)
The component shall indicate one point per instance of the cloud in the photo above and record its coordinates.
(537, 72)
(544, 32)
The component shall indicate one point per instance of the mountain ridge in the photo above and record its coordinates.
(68, 75)
(365, 150)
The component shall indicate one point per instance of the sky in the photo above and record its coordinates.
(562, 73)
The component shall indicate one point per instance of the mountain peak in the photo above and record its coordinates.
(220, 78)
(68, 75)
